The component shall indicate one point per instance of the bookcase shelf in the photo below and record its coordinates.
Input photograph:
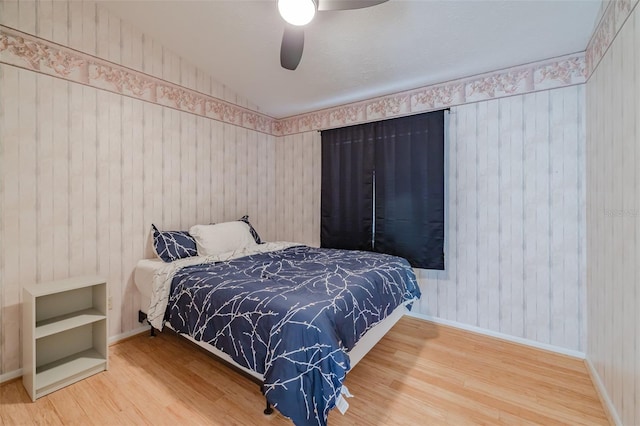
(68, 321)
(65, 333)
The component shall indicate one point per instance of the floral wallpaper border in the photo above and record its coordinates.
(559, 72)
(33, 53)
(614, 16)
(30, 52)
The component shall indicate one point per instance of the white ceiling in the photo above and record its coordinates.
(359, 54)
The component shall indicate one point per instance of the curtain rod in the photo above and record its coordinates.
(391, 118)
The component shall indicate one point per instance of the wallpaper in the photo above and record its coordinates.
(297, 181)
(613, 221)
(84, 172)
(515, 211)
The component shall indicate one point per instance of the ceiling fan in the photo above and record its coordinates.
(299, 13)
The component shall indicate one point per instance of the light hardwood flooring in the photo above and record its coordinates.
(420, 374)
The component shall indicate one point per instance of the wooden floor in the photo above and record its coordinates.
(419, 374)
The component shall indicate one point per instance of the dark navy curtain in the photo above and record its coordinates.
(347, 188)
(383, 188)
(409, 195)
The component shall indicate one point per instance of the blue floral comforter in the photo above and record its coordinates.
(291, 315)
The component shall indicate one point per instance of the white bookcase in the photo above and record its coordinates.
(64, 327)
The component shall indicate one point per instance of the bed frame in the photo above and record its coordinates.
(362, 347)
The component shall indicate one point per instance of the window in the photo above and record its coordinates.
(383, 188)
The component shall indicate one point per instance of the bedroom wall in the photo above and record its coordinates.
(298, 174)
(613, 216)
(515, 233)
(515, 227)
(84, 172)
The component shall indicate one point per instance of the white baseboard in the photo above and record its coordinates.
(607, 404)
(502, 336)
(113, 339)
(10, 375)
(118, 337)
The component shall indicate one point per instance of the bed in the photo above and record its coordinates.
(294, 317)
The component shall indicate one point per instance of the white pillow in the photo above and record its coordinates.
(221, 237)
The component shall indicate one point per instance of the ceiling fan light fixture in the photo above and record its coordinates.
(297, 12)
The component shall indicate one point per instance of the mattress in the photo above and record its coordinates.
(143, 277)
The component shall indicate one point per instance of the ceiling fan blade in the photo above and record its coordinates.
(292, 47)
(347, 4)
